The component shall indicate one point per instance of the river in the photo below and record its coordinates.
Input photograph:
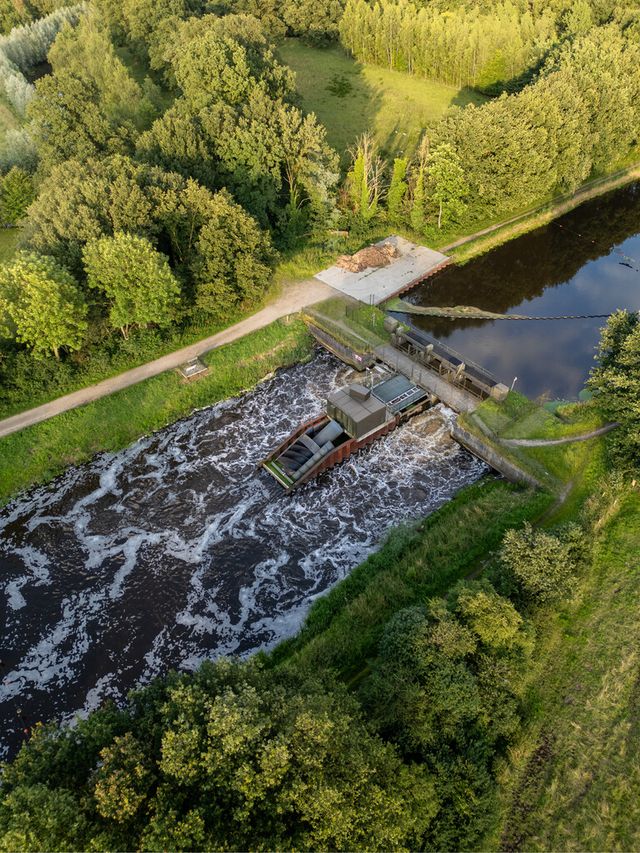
(586, 262)
(178, 548)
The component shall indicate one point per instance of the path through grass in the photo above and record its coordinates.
(39, 453)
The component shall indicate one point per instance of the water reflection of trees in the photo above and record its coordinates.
(526, 267)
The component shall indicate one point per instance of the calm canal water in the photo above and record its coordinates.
(587, 262)
(178, 549)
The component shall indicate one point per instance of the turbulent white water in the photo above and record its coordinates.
(178, 548)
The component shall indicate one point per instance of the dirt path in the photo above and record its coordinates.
(548, 442)
(293, 299)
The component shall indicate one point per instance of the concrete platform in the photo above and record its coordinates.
(375, 285)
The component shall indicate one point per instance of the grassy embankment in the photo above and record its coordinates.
(344, 626)
(463, 247)
(568, 471)
(572, 783)
(40, 452)
(91, 366)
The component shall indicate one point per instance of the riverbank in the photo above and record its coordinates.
(482, 241)
(510, 432)
(343, 627)
(570, 776)
(572, 781)
(41, 452)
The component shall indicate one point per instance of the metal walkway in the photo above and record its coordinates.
(451, 395)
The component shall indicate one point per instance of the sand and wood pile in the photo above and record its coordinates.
(371, 256)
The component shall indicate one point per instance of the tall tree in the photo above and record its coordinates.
(315, 22)
(223, 62)
(234, 126)
(364, 179)
(616, 382)
(16, 194)
(136, 279)
(397, 190)
(544, 564)
(42, 305)
(81, 202)
(232, 268)
(447, 187)
(68, 121)
(310, 166)
(418, 214)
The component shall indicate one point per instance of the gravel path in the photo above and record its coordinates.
(293, 299)
(547, 442)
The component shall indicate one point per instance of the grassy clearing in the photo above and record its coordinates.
(41, 452)
(350, 98)
(574, 780)
(343, 628)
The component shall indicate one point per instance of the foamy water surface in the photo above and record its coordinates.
(178, 549)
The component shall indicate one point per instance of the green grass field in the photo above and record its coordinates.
(41, 452)
(573, 782)
(350, 98)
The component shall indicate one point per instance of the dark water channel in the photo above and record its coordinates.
(177, 548)
(586, 262)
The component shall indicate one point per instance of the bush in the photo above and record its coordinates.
(233, 758)
(544, 565)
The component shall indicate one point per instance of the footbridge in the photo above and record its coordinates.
(443, 373)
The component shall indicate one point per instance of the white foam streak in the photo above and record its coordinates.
(178, 549)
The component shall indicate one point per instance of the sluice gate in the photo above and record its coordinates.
(441, 371)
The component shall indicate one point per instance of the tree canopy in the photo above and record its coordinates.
(136, 279)
(616, 383)
(41, 305)
(232, 758)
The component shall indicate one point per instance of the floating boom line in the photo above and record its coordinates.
(469, 312)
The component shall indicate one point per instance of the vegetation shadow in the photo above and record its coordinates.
(466, 96)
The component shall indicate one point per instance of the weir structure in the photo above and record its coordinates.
(425, 370)
(445, 374)
(445, 377)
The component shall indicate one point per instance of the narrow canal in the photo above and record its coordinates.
(178, 548)
(586, 262)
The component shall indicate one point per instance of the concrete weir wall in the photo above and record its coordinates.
(451, 395)
(486, 452)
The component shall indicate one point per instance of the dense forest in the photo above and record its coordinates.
(163, 166)
(178, 125)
